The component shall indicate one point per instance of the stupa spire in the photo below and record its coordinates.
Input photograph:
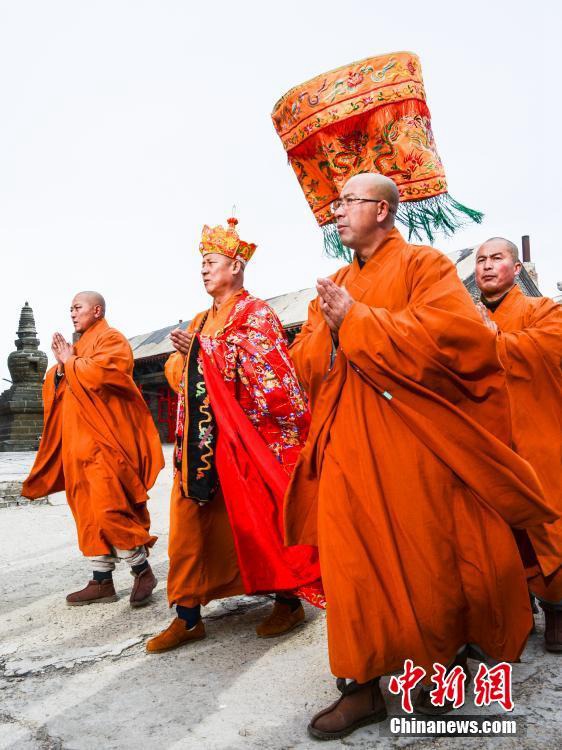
(21, 406)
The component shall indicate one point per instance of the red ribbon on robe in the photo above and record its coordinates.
(254, 484)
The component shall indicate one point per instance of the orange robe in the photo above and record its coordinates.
(530, 348)
(401, 483)
(99, 444)
(203, 559)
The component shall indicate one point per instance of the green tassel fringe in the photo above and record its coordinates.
(333, 246)
(439, 214)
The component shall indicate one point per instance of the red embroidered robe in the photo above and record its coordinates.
(234, 544)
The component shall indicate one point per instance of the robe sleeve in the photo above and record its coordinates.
(436, 340)
(51, 392)
(312, 351)
(538, 343)
(47, 474)
(173, 370)
(110, 366)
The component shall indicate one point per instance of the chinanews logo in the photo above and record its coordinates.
(467, 726)
(491, 687)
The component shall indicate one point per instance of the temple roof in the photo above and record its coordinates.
(291, 309)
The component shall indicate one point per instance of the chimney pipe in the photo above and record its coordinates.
(526, 246)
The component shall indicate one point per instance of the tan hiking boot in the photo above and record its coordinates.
(144, 585)
(94, 593)
(280, 620)
(175, 635)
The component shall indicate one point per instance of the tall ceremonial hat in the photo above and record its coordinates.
(370, 116)
(225, 241)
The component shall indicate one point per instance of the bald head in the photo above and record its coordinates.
(86, 309)
(365, 212)
(375, 186)
(501, 242)
(92, 298)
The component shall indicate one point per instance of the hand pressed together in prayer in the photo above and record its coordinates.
(61, 349)
(488, 322)
(181, 340)
(335, 303)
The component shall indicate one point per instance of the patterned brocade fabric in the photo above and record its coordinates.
(251, 354)
(399, 142)
(370, 116)
(225, 241)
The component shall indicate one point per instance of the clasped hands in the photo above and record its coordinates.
(181, 340)
(335, 302)
(488, 322)
(61, 349)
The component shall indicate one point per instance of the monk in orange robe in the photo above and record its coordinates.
(529, 337)
(226, 516)
(100, 446)
(405, 482)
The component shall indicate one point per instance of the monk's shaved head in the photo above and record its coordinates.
(374, 186)
(86, 309)
(510, 246)
(93, 298)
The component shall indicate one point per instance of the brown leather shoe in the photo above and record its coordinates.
(94, 593)
(552, 628)
(176, 634)
(280, 620)
(144, 585)
(359, 706)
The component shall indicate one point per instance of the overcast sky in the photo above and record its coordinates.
(127, 125)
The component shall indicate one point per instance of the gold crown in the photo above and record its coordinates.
(225, 241)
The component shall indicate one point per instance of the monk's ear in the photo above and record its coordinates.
(518, 267)
(384, 210)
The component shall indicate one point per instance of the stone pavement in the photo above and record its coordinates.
(77, 678)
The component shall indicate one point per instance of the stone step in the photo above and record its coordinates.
(14, 468)
(10, 495)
